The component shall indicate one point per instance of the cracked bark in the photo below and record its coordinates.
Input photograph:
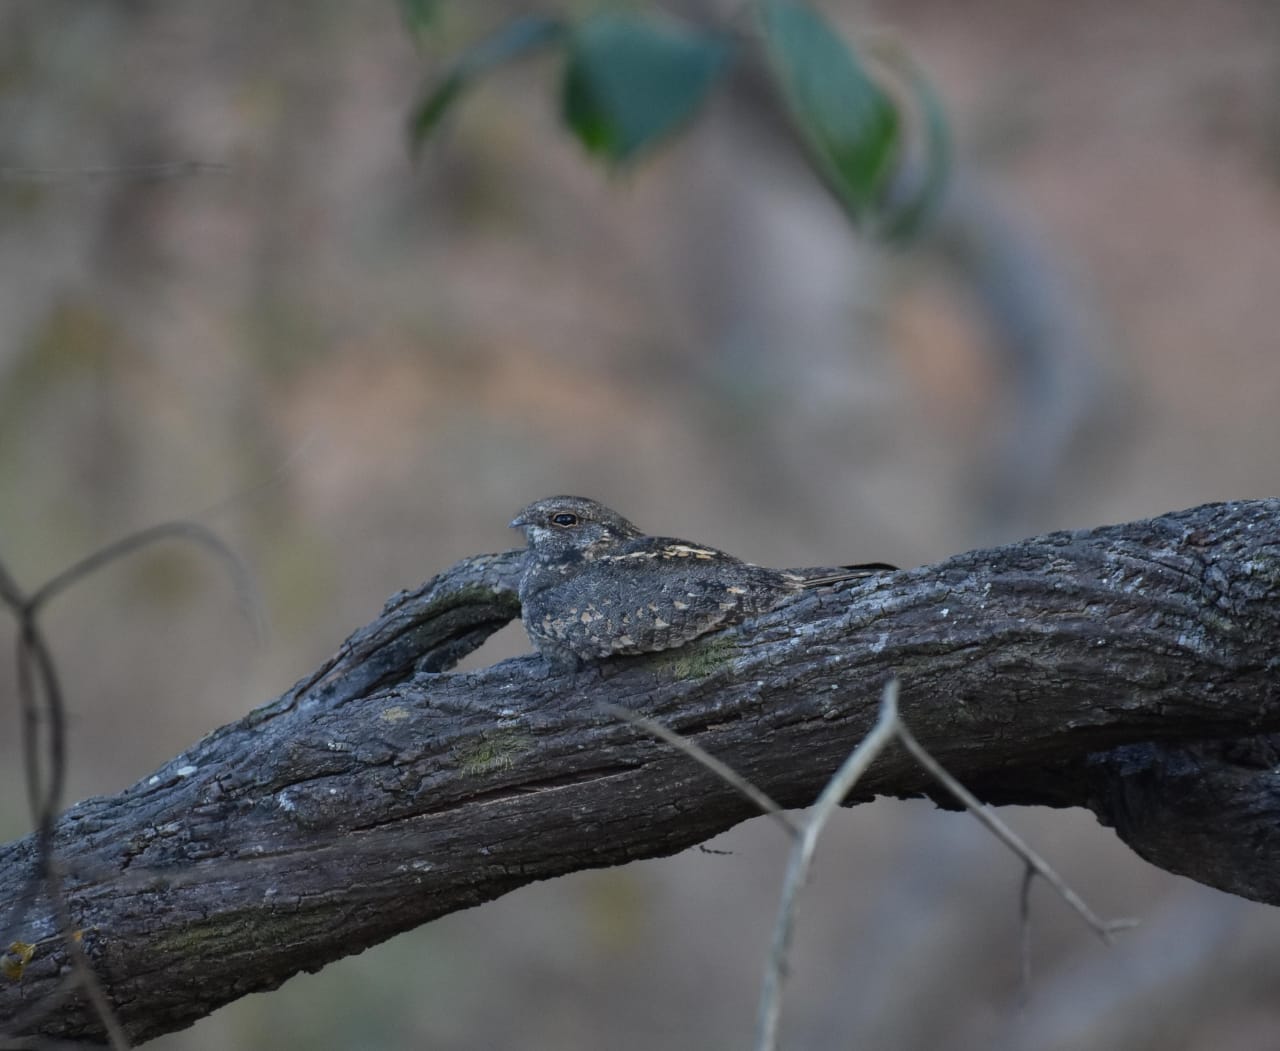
(1131, 669)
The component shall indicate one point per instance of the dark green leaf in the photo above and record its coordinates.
(849, 124)
(514, 40)
(631, 80)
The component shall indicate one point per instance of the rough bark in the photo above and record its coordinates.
(1131, 669)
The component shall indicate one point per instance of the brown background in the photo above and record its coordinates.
(365, 368)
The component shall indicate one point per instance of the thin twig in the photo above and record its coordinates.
(700, 755)
(35, 645)
(81, 975)
(16, 909)
(45, 800)
(28, 702)
(888, 726)
(10, 593)
(1024, 932)
(38, 794)
(241, 579)
(81, 967)
(840, 785)
(1104, 929)
(42, 705)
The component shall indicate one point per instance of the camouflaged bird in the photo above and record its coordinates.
(594, 586)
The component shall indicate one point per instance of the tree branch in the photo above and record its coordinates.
(1131, 669)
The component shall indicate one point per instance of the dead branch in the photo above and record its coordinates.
(1131, 669)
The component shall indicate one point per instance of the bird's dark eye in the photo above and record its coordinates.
(564, 518)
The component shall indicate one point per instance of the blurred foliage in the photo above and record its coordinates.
(514, 40)
(914, 197)
(632, 78)
(419, 16)
(630, 81)
(848, 123)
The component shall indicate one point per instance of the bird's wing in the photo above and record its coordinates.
(656, 593)
(820, 576)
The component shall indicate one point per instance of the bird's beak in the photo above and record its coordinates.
(518, 522)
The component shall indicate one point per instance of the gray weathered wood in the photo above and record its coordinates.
(1131, 669)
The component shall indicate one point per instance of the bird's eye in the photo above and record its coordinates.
(564, 518)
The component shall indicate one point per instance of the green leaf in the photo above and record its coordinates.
(514, 40)
(848, 123)
(631, 80)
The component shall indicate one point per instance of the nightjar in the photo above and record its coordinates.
(594, 586)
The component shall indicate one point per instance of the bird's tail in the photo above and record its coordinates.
(821, 576)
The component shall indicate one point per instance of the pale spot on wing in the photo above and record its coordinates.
(686, 551)
(733, 589)
(680, 605)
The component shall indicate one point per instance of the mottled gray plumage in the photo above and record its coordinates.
(595, 586)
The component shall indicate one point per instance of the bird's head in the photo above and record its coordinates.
(568, 526)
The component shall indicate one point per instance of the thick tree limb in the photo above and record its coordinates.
(1076, 669)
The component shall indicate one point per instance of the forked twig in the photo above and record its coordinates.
(37, 675)
(41, 700)
(805, 838)
(1104, 929)
(840, 785)
(193, 532)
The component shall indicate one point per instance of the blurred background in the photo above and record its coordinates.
(356, 369)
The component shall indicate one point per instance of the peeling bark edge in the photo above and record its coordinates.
(1132, 669)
